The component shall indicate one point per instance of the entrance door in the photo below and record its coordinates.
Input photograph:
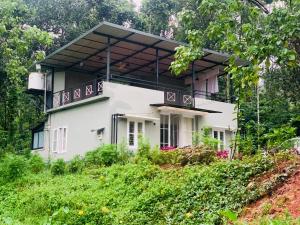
(169, 130)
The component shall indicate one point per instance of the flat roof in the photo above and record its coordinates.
(132, 52)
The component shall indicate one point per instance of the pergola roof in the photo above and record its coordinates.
(132, 52)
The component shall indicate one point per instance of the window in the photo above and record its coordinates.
(169, 127)
(59, 143)
(220, 136)
(134, 129)
(38, 140)
(131, 133)
(164, 130)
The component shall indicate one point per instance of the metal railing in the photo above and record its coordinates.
(84, 91)
(214, 96)
(173, 94)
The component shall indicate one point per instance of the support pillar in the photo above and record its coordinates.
(157, 68)
(108, 60)
(228, 88)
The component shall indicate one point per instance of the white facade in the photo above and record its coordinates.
(79, 121)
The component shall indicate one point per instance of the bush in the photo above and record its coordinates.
(278, 135)
(124, 153)
(144, 148)
(36, 163)
(58, 167)
(105, 155)
(197, 155)
(12, 167)
(76, 165)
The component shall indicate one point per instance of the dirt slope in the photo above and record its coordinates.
(286, 197)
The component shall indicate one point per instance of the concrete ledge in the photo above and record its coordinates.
(79, 103)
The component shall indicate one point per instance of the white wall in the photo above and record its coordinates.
(59, 81)
(81, 119)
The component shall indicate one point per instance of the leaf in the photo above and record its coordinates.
(229, 215)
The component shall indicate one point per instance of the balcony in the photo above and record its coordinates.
(173, 95)
(86, 90)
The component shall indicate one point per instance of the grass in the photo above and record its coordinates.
(134, 193)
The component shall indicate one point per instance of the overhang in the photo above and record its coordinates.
(183, 109)
(131, 52)
(141, 117)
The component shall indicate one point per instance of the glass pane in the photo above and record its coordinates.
(140, 128)
(131, 127)
(131, 139)
(221, 136)
(41, 139)
(216, 134)
(35, 140)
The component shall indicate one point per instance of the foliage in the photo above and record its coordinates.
(144, 148)
(12, 167)
(58, 167)
(134, 194)
(76, 165)
(36, 164)
(72, 18)
(205, 138)
(161, 157)
(20, 46)
(107, 155)
(197, 155)
(263, 42)
(278, 135)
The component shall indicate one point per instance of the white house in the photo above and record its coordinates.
(113, 83)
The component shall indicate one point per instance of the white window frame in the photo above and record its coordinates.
(58, 141)
(218, 130)
(135, 132)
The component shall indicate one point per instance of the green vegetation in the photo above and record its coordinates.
(108, 191)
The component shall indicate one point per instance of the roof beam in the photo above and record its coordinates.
(96, 53)
(132, 42)
(147, 64)
(129, 56)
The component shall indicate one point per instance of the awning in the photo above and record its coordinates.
(141, 117)
(132, 52)
(183, 109)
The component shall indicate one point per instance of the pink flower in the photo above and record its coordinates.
(223, 154)
(167, 148)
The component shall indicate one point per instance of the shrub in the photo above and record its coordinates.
(75, 165)
(223, 154)
(36, 163)
(278, 135)
(108, 154)
(124, 153)
(197, 155)
(105, 155)
(58, 167)
(12, 167)
(144, 148)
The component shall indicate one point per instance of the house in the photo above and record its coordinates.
(112, 84)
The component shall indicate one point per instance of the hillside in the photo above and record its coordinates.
(142, 193)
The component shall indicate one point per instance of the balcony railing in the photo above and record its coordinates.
(86, 90)
(214, 96)
(173, 94)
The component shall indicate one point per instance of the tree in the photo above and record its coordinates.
(67, 19)
(20, 46)
(240, 28)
